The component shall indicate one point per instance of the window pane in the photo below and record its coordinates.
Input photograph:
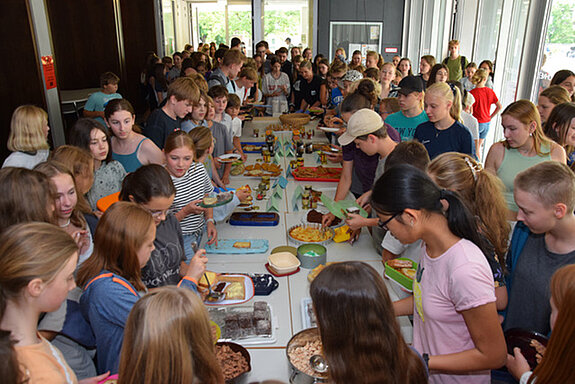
(559, 42)
(489, 21)
(283, 19)
(514, 51)
(168, 21)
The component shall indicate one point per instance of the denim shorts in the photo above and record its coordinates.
(483, 129)
(188, 239)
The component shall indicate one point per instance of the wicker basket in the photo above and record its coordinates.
(295, 119)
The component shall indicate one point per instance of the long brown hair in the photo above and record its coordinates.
(120, 234)
(168, 340)
(203, 140)
(481, 191)
(526, 112)
(557, 363)
(15, 183)
(54, 168)
(361, 339)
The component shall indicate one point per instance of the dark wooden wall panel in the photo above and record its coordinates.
(84, 40)
(139, 33)
(20, 81)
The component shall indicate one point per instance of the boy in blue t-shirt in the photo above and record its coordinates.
(411, 113)
(97, 102)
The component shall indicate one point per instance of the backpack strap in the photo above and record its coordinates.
(462, 64)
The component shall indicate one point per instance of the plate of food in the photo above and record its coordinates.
(401, 271)
(531, 344)
(228, 157)
(263, 169)
(216, 201)
(237, 289)
(317, 174)
(310, 233)
(252, 147)
(329, 129)
(238, 246)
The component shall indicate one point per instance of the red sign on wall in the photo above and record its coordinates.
(49, 72)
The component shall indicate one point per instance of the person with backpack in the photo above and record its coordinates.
(455, 62)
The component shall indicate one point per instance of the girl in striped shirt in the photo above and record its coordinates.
(192, 184)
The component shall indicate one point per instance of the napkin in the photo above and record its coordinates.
(296, 198)
(335, 207)
(273, 204)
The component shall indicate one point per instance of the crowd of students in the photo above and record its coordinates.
(89, 288)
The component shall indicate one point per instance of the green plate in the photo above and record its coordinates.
(219, 203)
(399, 277)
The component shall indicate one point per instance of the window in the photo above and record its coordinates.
(287, 18)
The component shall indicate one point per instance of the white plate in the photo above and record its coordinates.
(249, 293)
(329, 129)
(228, 157)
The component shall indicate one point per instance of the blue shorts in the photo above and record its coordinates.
(483, 129)
(188, 239)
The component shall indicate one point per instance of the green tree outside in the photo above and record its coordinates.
(561, 26)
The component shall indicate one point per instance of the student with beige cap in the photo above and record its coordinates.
(367, 130)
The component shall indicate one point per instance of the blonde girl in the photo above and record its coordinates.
(484, 99)
(198, 115)
(525, 145)
(192, 184)
(28, 137)
(37, 263)
(81, 164)
(68, 216)
(386, 77)
(482, 192)
(443, 132)
(130, 148)
(204, 147)
(111, 277)
(168, 339)
(549, 98)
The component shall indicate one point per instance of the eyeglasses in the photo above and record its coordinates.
(383, 224)
(157, 213)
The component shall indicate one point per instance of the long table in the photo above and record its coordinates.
(269, 361)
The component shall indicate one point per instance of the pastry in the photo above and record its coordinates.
(210, 200)
(242, 244)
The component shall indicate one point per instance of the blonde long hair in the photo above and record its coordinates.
(450, 93)
(27, 129)
(526, 112)
(168, 339)
(481, 191)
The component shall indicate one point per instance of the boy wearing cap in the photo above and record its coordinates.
(367, 130)
(411, 114)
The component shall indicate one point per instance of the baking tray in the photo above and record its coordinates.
(257, 144)
(226, 246)
(299, 242)
(331, 180)
(255, 219)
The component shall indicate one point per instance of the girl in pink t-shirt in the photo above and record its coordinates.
(456, 328)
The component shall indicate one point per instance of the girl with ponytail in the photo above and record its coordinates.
(482, 192)
(456, 327)
(444, 131)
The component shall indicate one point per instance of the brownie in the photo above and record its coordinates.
(264, 327)
(245, 320)
(260, 306)
(261, 315)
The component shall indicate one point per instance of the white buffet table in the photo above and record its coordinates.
(269, 361)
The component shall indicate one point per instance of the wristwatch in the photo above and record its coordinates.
(211, 220)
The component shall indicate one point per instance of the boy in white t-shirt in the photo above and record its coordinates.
(233, 111)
